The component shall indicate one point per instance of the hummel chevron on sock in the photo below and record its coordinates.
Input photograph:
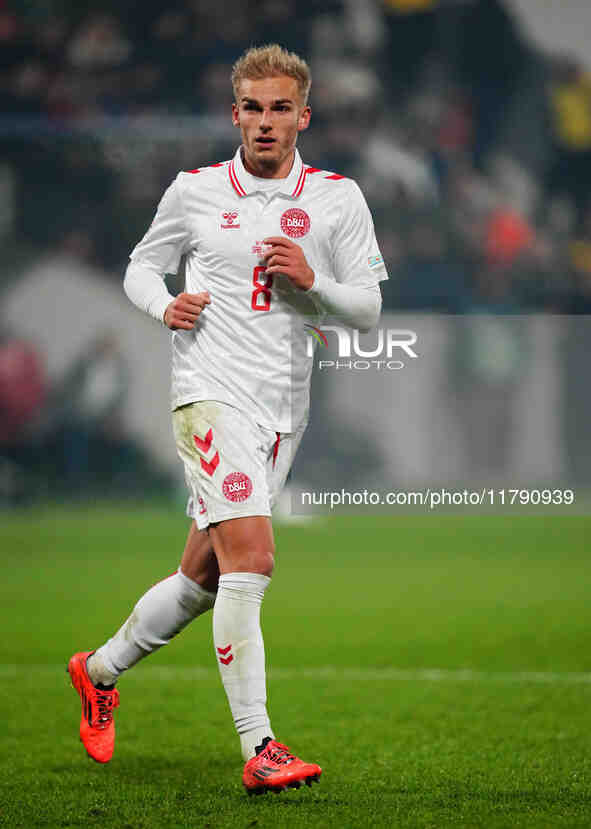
(240, 652)
(159, 615)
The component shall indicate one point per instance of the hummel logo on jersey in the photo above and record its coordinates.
(230, 219)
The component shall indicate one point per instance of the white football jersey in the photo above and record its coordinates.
(248, 347)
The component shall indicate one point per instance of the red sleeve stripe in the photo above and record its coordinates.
(306, 171)
(199, 169)
(235, 183)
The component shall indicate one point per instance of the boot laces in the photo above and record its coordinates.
(280, 754)
(105, 704)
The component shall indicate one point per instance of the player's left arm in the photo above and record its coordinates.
(352, 293)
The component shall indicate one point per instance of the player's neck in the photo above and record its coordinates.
(282, 170)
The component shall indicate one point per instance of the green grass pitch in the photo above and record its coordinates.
(438, 668)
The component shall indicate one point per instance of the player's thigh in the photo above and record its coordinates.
(244, 545)
(199, 561)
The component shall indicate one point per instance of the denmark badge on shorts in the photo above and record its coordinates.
(237, 486)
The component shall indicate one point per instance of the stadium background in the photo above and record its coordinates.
(468, 125)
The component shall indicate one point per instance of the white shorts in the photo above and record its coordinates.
(233, 467)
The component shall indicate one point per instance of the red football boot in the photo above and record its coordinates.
(275, 768)
(97, 729)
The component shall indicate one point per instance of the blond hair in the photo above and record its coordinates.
(269, 62)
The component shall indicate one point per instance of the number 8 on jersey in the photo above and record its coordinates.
(261, 296)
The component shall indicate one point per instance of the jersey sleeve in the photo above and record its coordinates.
(167, 238)
(357, 259)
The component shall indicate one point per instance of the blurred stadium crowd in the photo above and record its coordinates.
(472, 147)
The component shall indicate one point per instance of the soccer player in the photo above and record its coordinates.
(269, 244)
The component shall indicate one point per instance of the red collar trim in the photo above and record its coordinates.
(300, 185)
(306, 171)
(234, 180)
(233, 169)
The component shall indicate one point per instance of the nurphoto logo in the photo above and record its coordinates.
(352, 356)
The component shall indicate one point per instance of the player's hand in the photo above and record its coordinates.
(284, 256)
(184, 310)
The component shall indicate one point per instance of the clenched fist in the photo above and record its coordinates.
(184, 310)
(284, 256)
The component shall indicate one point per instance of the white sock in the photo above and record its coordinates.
(240, 652)
(159, 615)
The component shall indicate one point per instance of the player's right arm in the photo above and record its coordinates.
(158, 253)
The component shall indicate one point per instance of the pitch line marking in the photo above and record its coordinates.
(331, 672)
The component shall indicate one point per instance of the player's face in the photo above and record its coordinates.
(269, 113)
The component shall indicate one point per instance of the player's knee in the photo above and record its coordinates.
(265, 563)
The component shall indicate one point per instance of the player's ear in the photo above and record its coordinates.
(304, 119)
(235, 115)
